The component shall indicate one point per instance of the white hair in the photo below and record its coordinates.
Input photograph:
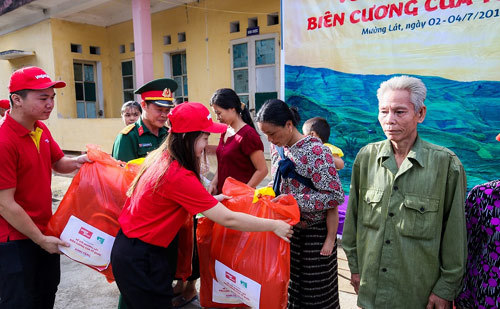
(413, 85)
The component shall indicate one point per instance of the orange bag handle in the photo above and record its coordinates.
(95, 153)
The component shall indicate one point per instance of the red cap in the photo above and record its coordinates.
(4, 104)
(32, 78)
(192, 117)
(498, 137)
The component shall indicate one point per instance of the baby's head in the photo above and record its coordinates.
(317, 127)
(131, 111)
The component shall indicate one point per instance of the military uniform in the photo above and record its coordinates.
(136, 140)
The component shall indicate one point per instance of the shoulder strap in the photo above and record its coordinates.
(286, 169)
(127, 129)
(281, 152)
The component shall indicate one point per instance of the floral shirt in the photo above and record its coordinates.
(482, 278)
(315, 161)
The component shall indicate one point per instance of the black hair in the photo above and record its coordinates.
(277, 112)
(132, 104)
(226, 98)
(180, 147)
(22, 93)
(178, 101)
(320, 126)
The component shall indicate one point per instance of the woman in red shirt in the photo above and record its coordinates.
(240, 153)
(164, 194)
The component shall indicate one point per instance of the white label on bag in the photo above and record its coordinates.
(88, 245)
(222, 295)
(247, 290)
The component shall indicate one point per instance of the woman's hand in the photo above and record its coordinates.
(221, 197)
(283, 230)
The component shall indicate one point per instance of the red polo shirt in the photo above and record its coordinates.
(29, 170)
(155, 215)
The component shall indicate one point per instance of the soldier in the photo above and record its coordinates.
(138, 139)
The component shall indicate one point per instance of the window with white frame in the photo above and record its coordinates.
(255, 69)
(179, 74)
(85, 89)
(128, 80)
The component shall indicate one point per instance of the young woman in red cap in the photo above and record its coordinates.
(165, 192)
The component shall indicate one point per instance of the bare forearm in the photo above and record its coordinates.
(257, 178)
(247, 223)
(15, 215)
(238, 220)
(68, 165)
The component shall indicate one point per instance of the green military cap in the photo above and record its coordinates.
(159, 91)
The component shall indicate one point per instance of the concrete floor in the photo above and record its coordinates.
(84, 288)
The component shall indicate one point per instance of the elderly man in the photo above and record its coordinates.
(404, 233)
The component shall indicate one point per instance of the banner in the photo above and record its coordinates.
(337, 52)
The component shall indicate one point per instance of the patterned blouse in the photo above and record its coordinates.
(315, 161)
(482, 278)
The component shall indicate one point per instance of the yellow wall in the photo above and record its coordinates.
(35, 38)
(207, 46)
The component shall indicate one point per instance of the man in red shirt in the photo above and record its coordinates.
(4, 106)
(29, 260)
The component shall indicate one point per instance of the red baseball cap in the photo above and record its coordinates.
(192, 117)
(5, 104)
(32, 78)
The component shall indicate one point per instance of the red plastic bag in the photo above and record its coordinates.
(185, 250)
(96, 196)
(253, 259)
(204, 242)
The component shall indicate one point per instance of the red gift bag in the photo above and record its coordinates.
(204, 242)
(96, 196)
(185, 250)
(253, 265)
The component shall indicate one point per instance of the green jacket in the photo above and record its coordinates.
(136, 141)
(404, 231)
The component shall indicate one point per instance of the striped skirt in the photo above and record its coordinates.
(313, 277)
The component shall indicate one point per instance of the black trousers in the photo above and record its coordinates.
(144, 272)
(29, 275)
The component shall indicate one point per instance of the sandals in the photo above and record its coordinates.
(180, 301)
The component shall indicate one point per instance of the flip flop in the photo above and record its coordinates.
(180, 301)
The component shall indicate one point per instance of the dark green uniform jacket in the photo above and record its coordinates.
(136, 141)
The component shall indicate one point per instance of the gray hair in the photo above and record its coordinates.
(413, 85)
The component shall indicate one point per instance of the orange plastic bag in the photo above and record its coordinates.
(254, 265)
(204, 242)
(185, 250)
(96, 196)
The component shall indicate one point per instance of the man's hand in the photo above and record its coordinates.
(437, 302)
(51, 244)
(80, 160)
(355, 279)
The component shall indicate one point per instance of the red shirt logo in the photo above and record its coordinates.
(231, 277)
(85, 233)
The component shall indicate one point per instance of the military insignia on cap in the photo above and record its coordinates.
(159, 91)
(167, 93)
